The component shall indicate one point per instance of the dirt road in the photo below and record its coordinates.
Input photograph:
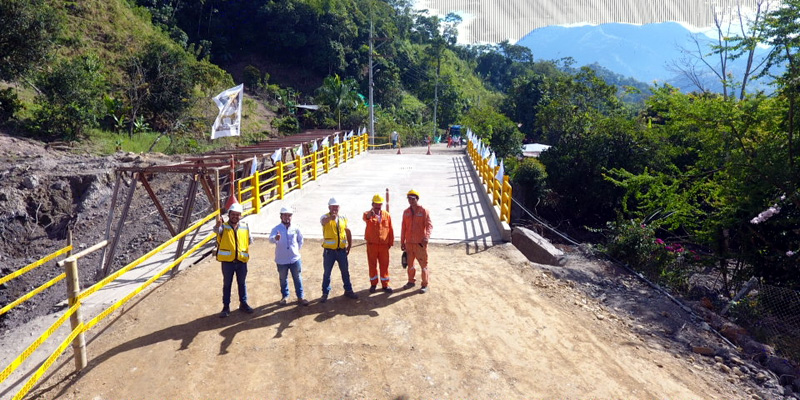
(493, 325)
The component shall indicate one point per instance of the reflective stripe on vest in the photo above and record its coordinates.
(228, 244)
(333, 239)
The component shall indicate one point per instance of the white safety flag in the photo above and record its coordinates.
(492, 161)
(299, 151)
(500, 172)
(229, 120)
(314, 146)
(254, 167)
(336, 139)
(276, 156)
(325, 142)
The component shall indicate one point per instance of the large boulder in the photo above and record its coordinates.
(536, 248)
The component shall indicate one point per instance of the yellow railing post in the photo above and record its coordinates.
(299, 168)
(76, 319)
(337, 148)
(279, 173)
(256, 192)
(326, 163)
(314, 164)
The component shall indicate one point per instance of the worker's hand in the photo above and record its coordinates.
(402, 247)
(425, 242)
(371, 214)
(277, 236)
(348, 250)
(219, 221)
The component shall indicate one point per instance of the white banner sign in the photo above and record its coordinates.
(229, 120)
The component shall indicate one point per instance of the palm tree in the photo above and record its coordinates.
(338, 94)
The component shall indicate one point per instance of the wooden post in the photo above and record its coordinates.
(387, 199)
(327, 162)
(76, 319)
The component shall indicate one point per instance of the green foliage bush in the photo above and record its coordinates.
(72, 98)
(9, 104)
(635, 243)
(286, 125)
(27, 32)
(528, 177)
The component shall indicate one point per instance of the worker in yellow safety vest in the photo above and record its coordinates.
(233, 244)
(336, 244)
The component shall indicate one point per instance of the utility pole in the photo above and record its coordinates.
(371, 106)
(436, 90)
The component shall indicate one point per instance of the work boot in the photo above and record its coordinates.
(303, 302)
(409, 285)
(324, 298)
(388, 289)
(246, 308)
(284, 300)
(373, 289)
(226, 311)
(424, 289)
(351, 294)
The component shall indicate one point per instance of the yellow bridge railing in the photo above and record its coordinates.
(259, 189)
(499, 192)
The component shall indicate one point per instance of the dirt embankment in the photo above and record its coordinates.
(493, 325)
(45, 193)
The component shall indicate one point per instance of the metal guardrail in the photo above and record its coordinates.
(261, 188)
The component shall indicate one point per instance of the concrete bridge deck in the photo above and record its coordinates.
(445, 180)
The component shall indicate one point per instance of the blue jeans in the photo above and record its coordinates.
(228, 269)
(329, 256)
(283, 278)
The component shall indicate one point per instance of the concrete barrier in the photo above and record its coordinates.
(536, 248)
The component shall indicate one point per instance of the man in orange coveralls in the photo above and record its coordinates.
(380, 237)
(414, 236)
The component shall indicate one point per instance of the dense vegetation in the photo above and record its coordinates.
(677, 182)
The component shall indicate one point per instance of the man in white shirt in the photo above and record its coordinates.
(288, 241)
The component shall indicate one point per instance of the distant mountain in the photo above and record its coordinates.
(644, 52)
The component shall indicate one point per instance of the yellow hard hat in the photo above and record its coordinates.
(377, 199)
(412, 192)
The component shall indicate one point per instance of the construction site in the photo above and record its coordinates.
(127, 304)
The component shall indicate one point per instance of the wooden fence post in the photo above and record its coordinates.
(76, 319)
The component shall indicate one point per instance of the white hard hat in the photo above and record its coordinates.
(287, 210)
(333, 202)
(236, 207)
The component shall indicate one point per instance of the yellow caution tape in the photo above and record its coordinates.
(97, 286)
(36, 343)
(152, 279)
(49, 362)
(34, 265)
(32, 293)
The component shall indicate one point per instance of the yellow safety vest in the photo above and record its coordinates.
(334, 234)
(230, 243)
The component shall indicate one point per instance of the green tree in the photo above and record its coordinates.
(495, 129)
(72, 98)
(28, 32)
(339, 95)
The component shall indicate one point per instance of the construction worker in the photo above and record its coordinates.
(379, 236)
(233, 243)
(395, 137)
(288, 241)
(414, 236)
(336, 242)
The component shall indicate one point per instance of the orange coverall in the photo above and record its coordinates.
(379, 236)
(416, 226)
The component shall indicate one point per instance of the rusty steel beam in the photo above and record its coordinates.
(160, 208)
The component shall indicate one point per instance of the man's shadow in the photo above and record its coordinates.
(334, 306)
